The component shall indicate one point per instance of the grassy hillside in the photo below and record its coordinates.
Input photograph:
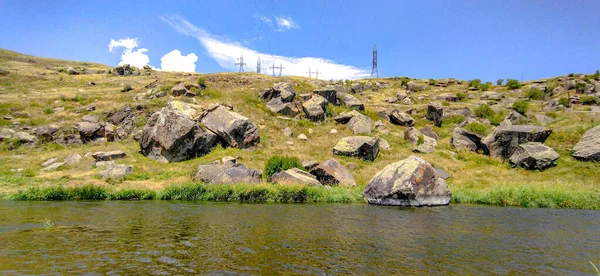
(41, 93)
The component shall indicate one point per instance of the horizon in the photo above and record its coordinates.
(487, 41)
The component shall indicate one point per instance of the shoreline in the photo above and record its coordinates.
(516, 196)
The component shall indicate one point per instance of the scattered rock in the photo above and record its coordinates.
(515, 118)
(413, 87)
(276, 105)
(73, 159)
(439, 172)
(328, 93)
(503, 141)
(360, 124)
(302, 137)
(332, 173)
(49, 162)
(384, 145)
(46, 133)
(333, 131)
(227, 174)
(543, 119)
(350, 101)
(295, 176)
(463, 139)
(315, 108)
(400, 118)
(422, 143)
(363, 147)
(588, 147)
(410, 182)
(89, 131)
(108, 155)
(288, 132)
(435, 113)
(344, 117)
(491, 95)
(357, 87)
(381, 128)
(179, 90)
(428, 131)
(236, 130)
(401, 95)
(309, 165)
(72, 71)
(285, 91)
(448, 97)
(534, 156)
(116, 172)
(25, 138)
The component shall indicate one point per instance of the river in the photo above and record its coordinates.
(161, 237)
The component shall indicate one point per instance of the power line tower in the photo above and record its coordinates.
(258, 65)
(309, 73)
(241, 63)
(273, 67)
(317, 73)
(375, 71)
(280, 68)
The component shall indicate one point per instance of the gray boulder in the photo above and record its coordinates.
(228, 173)
(89, 131)
(411, 182)
(295, 176)
(435, 113)
(363, 147)
(350, 101)
(588, 147)
(357, 87)
(491, 95)
(534, 156)
(344, 117)
(463, 139)
(504, 140)
(278, 106)
(234, 129)
(328, 93)
(401, 95)
(108, 155)
(398, 117)
(25, 138)
(315, 108)
(179, 90)
(360, 124)
(309, 164)
(47, 133)
(381, 127)
(543, 119)
(332, 173)
(285, 91)
(414, 87)
(428, 131)
(116, 172)
(422, 143)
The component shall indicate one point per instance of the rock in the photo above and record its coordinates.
(49, 162)
(391, 100)
(53, 166)
(89, 131)
(534, 156)
(401, 95)
(110, 132)
(302, 137)
(407, 101)
(288, 132)
(227, 174)
(6, 134)
(543, 119)
(108, 155)
(344, 117)
(428, 131)
(309, 165)
(400, 118)
(310, 131)
(328, 93)
(72, 71)
(435, 113)
(234, 129)
(266, 94)
(465, 112)
(423, 144)
(410, 182)
(350, 101)
(276, 105)
(439, 172)
(503, 141)
(90, 118)
(570, 84)
(491, 95)
(360, 124)
(384, 145)
(179, 90)
(171, 136)
(25, 138)
(73, 159)
(463, 139)
(381, 128)
(285, 91)
(363, 147)
(295, 176)
(588, 147)
(357, 87)
(116, 172)
(332, 173)
(122, 116)
(46, 133)
(333, 131)
(515, 118)
(448, 97)
(413, 87)
(315, 108)
(69, 139)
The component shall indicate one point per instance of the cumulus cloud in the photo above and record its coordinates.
(285, 23)
(175, 61)
(136, 57)
(226, 53)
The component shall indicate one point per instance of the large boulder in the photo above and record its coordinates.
(116, 172)
(360, 124)
(285, 91)
(414, 87)
(171, 136)
(588, 147)
(435, 112)
(234, 129)
(332, 173)
(227, 173)
(89, 131)
(534, 156)
(411, 182)
(295, 176)
(491, 95)
(47, 133)
(422, 143)
(108, 155)
(350, 101)
(346, 116)
(315, 108)
(179, 89)
(464, 139)
(328, 93)
(278, 106)
(504, 140)
(363, 147)
(398, 117)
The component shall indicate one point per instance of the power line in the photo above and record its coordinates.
(280, 68)
(273, 67)
(317, 74)
(258, 65)
(375, 71)
(241, 63)
(309, 73)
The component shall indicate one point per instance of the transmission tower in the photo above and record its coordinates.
(309, 73)
(258, 65)
(375, 71)
(280, 68)
(273, 67)
(241, 63)
(317, 73)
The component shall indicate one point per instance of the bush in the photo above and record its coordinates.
(564, 102)
(484, 111)
(432, 82)
(580, 86)
(521, 107)
(587, 79)
(513, 84)
(596, 75)
(461, 96)
(202, 82)
(499, 81)
(329, 110)
(477, 128)
(474, 83)
(404, 81)
(486, 86)
(48, 110)
(127, 88)
(278, 163)
(589, 100)
(535, 94)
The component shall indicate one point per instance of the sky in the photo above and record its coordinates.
(489, 39)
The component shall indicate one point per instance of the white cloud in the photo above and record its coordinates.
(263, 18)
(175, 61)
(127, 43)
(226, 53)
(136, 57)
(285, 23)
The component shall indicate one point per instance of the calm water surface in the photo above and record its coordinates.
(154, 237)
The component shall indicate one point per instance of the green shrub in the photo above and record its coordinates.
(404, 81)
(454, 119)
(474, 83)
(432, 82)
(278, 163)
(589, 100)
(587, 79)
(521, 107)
(461, 96)
(329, 110)
(484, 111)
(513, 84)
(571, 74)
(535, 94)
(485, 86)
(564, 102)
(202, 82)
(445, 103)
(596, 75)
(499, 81)
(420, 140)
(477, 128)
(580, 86)
(48, 110)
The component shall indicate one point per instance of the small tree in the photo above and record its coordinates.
(474, 83)
(202, 82)
(485, 87)
(513, 84)
(499, 81)
(535, 94)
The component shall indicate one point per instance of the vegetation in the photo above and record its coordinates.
(432, 82)
(461, 96)
(535, 94)
(580, 86)
(475, 83)
(499, 82)
(513, 84)
(589, 100)
(596, 75)
(278, 163)
(478, 128)
(202, 82)
(126, 88)
(485, 86)
(521, 107)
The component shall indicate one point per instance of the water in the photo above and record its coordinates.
(154, 237)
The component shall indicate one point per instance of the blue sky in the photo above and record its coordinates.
(423, 39)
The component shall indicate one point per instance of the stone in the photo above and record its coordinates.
(108, 155)
(302, 137)
(227, 174)
(89, 131)
(266, 94)
(309, 164)
(543, 119)
(229, 159)
(439, 172)
(463, 139)
(465, 112)
(53, 166)
(504, 140)
(401, 95)
(25, 138)
(332, 173)
(315, 108)
(422, 143)
(311, 131)
(49, 162)
(515, 118)
(491, 95)
(333, 131)
(288, 132)
(435, 113)
(398, 117)
(363, 147)
(344, 117)
(171, 136)
(285, 91)
(121, 116)
(295, 176)
(234, 129)
(350, 101)
(588, 147)
(534, 156)
(69, 139)
(116, 172)
(46, 133)
(328, 93)
(381, 127)
(91, 118)
(407, 101)
(391, 100)
(6, 134)
(73, 159)
(414, 87)
(179, 90)
(72, 71)
(448, 97)
(384, 145)
(360, 124)
(357, 88)
(411, 182)
(276, 105)
(428, 131)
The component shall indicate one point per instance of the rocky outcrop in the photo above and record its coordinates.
(588, 147)
(171, 136)
(463, 139)
(330, 94)
(234, 129)
(179, 90)
(350, 101)
(285, 91)
(47, 133)
(534, 156)
(344, 117)
(435, 113)
(227, 173)
(397, 117)
(422, 143)
(89, 131)
(278, 106)
(491, 95)
(332, 173)
(363, 147)
(116, 172)
(360, 124)
(295, 176)
(504, 140)
(411, 182)
(315, 108)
